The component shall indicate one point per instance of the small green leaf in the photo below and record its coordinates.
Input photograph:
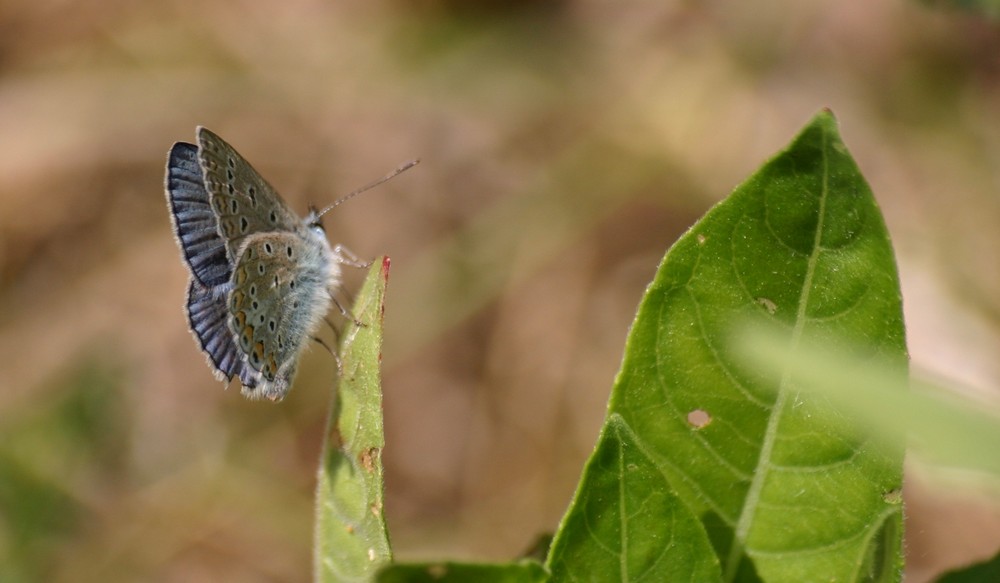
(988, 8)
(985, 572)
(787, 488)
(352, 542)
(521, 572)
(625, 523)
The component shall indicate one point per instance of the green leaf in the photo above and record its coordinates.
(787, 488)
(521, 572)
(988, 8)
(352, 542)
(985, 572)
(625, 523)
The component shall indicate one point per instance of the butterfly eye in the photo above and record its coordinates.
(271, 325)
(268, 249)
(229, 174)
(254, 304)
(288, 250)
(231, 162)
(253, 290)
(234, 206)
(244, 224)
(260, 268)
(262, 319)
(229, 187)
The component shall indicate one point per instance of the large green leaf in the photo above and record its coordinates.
(787, 488)
(942, 427)
(352, 542)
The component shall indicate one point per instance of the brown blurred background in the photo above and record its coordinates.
(565, 145)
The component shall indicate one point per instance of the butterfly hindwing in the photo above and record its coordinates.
(243, 202)
(278, 297)
(208, 317)
(195, 224)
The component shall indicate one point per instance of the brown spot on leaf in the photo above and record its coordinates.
(368, 458)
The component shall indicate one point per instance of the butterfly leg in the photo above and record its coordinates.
(333, 328)
(347, 257)
(346, 313)
(340, 364)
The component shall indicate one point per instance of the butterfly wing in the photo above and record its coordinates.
(195, 224)
(196, 228)
(278, 298)
(243, 202)
(207, 316)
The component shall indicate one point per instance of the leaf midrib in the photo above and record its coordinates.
(749, 509)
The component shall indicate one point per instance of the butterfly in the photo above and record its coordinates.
(262, 278)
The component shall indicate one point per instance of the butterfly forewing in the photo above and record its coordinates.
(194, 221)
(243, 202)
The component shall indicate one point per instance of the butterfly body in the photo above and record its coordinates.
(261, 277)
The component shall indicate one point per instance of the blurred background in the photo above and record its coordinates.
(565, 145)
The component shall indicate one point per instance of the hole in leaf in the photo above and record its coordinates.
(699, 418)
(894, 496)
(768, 305)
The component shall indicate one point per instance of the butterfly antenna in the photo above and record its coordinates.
(345, 198)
